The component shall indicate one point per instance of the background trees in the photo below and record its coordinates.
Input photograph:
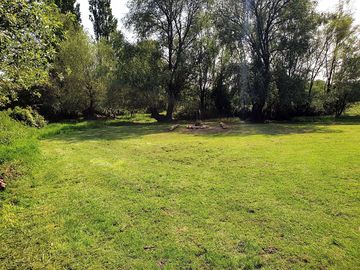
(70, 6)
(273, 37)
(102, 18)
(85, 72)
(28, 41)
(257, 59)
(341, 61)
(175, 25)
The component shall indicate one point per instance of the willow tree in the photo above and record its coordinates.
(175, 25)
(342, 62)
(265, 29)
(85, 70)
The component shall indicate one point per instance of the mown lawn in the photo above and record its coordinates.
(121, 195)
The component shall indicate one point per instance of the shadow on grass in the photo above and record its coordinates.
(101, 130)
(121, 130)
(273, 129)
(329, 120)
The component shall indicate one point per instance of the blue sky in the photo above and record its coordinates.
(120, 9)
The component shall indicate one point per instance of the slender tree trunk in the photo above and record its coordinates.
(170, 106)
(257, 112)
(310, 88)
(90, 111)
(329, 79)
(332, 71)
(202, 103)
(341, 107)
(154, 113)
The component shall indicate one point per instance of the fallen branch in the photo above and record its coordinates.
(174, 127)
(224, 126)
(197, 127)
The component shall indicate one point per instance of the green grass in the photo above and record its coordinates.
(123, 195)
(18, 148)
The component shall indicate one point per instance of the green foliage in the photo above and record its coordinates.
(354, 110)
(343, 85)
(18, 145)
(175, 25)
(102, 18)
(270, 35)
(221, 97)
(69, 6)
(139, 83)
(28, 116)
(85, 71)
(256, 59)
(28, 40)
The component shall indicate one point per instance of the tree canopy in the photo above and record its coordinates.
(102, 18)
(254, 59)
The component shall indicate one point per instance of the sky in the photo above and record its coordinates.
(120, 10)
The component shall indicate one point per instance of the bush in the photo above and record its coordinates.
(19, 150)
(28, 116)
(17, 142)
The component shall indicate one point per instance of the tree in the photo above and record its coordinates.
(204, 54)
(346, 88)
(85, 71)
(143, 76)
(263, 30)
(342, 62)
(102, 18)
(290, 65)
(139, 84)
(28, 40)
(339, 30)
(316, 54)
(71, 6)
(175, 24)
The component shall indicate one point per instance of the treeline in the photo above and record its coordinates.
(256, 59)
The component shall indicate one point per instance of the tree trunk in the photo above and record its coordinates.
(202, 104)
(92, 108)
(332, 70)
(170, 106)
(341, 108)
(90, 111)
(258, 113)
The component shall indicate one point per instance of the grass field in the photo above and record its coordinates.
(124, 195)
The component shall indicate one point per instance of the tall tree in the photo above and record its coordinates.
(204, 56)
(265, 28)
(139, 82)
(339, 30)
(28, 40)
(102, 18)
(86, 71)
(342, 68)
(71, 6)
(175, 24)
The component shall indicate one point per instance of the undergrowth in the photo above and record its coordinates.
(18, 148)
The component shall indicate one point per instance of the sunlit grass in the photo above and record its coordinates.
(123, 195)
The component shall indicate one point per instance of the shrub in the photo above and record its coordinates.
(28, 116)
(18, 149)
(17, 142)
